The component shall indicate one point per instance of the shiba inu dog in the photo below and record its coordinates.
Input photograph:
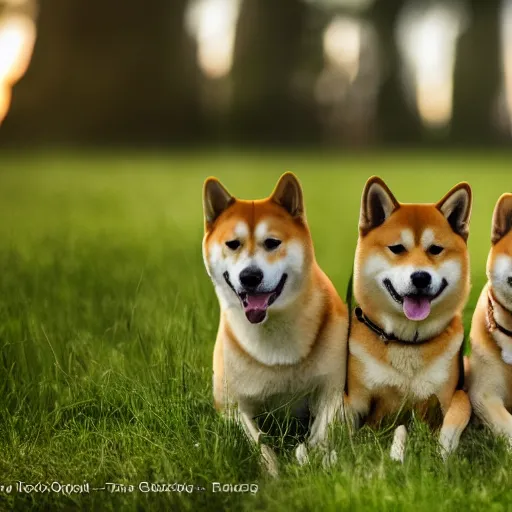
(489, 368)
(283, 328)
(411, 282)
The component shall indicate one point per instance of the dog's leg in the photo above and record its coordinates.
(226, 404)
(250, 427)
(356, 406)
(222, 401)
(253, 433)
(492, 411)
(357, 401)
(330, 405)
(456, 418)
(398, 446)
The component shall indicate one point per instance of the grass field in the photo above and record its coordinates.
(107, 325)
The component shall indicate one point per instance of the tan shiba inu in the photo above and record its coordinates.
(411, 282)
(490, 370)
(283, 328)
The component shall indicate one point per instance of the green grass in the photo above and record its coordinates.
(107, 325)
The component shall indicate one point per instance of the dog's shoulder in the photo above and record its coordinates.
(336, 308)
(482, 343)
(487, 368)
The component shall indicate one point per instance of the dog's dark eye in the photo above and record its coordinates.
(233, 244)
(435, 249)
(271, 243)
(397, 249)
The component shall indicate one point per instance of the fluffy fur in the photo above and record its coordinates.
(289, 350)
(396, 243)
(489, 366)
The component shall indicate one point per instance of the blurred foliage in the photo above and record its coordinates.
(119, 73)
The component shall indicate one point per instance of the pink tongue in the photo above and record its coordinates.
(416, 308)
(256, 308)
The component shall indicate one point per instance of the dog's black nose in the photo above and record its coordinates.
(421, 280)
(509, 280)
(251, 278)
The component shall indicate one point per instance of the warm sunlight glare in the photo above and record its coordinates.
(17, 36)
(506, 34)
(342, 44)
(214, 23)
(429, 44)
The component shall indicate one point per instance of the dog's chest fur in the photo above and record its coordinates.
(251, 379)
(406, 369)
(281, 384)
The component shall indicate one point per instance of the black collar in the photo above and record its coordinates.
(491, 319)
(383, 335)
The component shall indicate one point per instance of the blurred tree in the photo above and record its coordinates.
(17, 36)
(477, 76)
(397, 122)
(268, 106)
(108, 72)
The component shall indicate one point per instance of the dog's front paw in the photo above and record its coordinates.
(398, 446)
(301, 453)
(269, 460)
(329, 459)
(448, 442)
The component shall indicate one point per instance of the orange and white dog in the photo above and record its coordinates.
(489, 368)
(283, 328)
(411, 282)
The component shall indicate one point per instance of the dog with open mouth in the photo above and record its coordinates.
(489, 366)
(283, 328)
(411, 282)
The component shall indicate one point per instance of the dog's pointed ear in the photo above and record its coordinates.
(456, 207)
(215, 200)
(377, 204)
(288, 194)
(501, 218)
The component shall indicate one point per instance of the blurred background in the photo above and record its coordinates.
(238, 73)
(112, 114)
